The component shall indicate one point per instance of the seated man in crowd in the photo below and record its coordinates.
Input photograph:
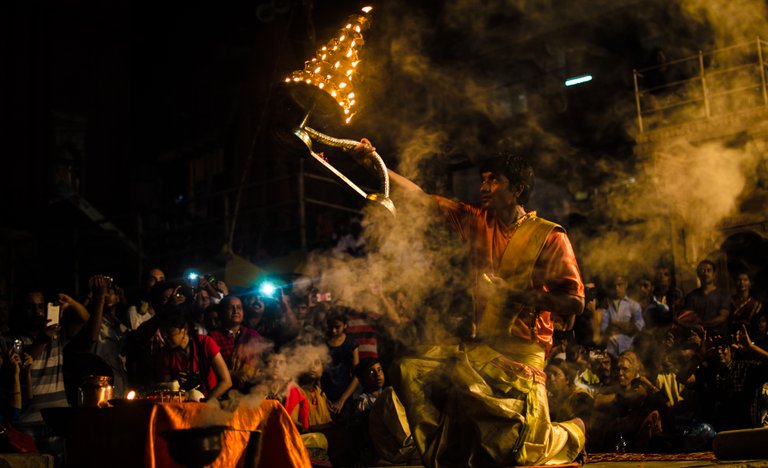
(728, 382)
(622, 318)
(629, 407)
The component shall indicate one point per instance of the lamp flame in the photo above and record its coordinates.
(130, 395)
(333, 67)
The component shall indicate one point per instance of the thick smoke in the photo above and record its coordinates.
(441, 83)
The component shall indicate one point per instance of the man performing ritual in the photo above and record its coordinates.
(484, 402)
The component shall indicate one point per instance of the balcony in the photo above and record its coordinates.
(723, 90)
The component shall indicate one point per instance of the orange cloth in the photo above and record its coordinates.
(130, 435)
(281, 444)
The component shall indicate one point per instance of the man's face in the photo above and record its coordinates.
(742, 283)
(155, 276)
(663, 278)
(36, 304)
(495, 192)
(646, 288)
(234, 312)
(706, 274)
(619, 289)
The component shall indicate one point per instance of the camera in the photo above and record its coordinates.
(18, 347)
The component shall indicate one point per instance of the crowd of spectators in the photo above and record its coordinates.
(646, 366)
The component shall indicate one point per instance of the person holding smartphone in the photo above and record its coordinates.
(45, 342)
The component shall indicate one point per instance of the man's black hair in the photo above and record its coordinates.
(514, 168)
(707, 261)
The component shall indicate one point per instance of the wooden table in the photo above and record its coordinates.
(130, 435)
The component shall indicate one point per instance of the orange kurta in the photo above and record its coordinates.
(555, 269)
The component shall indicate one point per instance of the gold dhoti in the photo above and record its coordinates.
(474, 406)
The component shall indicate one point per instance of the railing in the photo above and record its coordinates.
(710, 84)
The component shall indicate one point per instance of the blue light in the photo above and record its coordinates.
(578, 80)
(267, 288)
(192, 276)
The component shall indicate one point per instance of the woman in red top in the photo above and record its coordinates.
(194, 360)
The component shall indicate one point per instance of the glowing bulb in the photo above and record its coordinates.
(342, 37)
(351, 95)
(349, 72)
(333, 93)
(308, 81)
(349, 26)
(352, 102)
(323, 57)
(337, 65)
(130, 395)
(348, 119)
(367, 9)
(342, 85)
(353, 44)
(321, 85)
(349, 53)
(288, 80)
(297, 79)
(324, 48)
(317, 70)
(346, 111)
(357, 28)
(354, 64)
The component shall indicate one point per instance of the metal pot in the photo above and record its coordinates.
(95, 391)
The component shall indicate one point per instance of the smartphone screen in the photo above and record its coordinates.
(53, 314)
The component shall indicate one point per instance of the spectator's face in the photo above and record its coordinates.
(706, 274)
(36, 304)
(174, 337)
(315, 368)
(112, 298)
(762, 324)
(374, 378)
(663, 278)
(619, 289)
(155, 276)
(203, 300)
(302, 310)
(212, 319)
(277, 366)
(557, 383)
(604, 365)
(165, 296)
(336, 328)
(742, 283)
(495, 192)
(234, 312)
(627, 372)
(646, 288)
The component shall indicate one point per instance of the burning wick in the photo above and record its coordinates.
(130, 395)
